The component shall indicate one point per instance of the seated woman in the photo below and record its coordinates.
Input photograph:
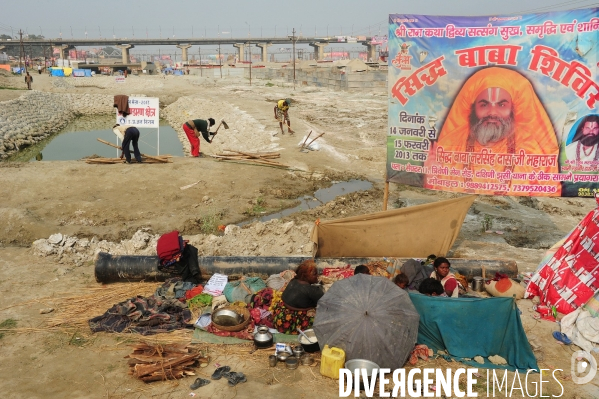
(447, 279)
(298, 302)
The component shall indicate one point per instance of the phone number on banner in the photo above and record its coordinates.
(528, 188)
(486, 186)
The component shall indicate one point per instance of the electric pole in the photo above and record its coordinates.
(21, 50)
(293, 40)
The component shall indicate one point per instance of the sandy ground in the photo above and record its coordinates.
(112, 202)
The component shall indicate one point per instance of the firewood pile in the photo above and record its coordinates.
(144, 159)
(379, 268)
(163, 362)
(260, 158)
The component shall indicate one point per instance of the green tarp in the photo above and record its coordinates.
(469, 327)
(201, 336)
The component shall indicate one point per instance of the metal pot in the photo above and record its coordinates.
(263, 338)
(478, 284)
(309, 347)
(298, 351)
(227, 317)
(292, 363)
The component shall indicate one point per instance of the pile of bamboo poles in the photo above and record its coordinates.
(145, 158)
(260, 158)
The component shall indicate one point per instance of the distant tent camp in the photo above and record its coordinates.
(571, 277)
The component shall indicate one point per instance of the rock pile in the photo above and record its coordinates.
(35, 115)
(271, 238)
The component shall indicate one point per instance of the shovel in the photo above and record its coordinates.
(223, 123)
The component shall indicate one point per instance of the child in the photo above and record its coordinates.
(401, 280)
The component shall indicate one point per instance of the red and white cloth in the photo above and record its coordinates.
(571, 276)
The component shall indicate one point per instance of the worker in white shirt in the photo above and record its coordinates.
(128, 134)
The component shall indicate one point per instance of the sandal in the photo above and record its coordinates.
(561, 337)
(236, 378)
(218, 373)
(199, 382)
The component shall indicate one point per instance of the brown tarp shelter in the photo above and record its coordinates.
(415, 231)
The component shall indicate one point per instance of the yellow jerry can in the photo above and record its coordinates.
(331, 361)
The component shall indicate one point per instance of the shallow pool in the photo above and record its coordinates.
(80, 139)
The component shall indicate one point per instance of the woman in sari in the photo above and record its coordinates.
(297, 305)
(447, 279)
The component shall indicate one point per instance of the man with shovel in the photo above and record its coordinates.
(193, 128)
(282, 114)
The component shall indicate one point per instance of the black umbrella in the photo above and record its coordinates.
(370, 318)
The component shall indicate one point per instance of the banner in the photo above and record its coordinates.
(143, 112)
(502, 105)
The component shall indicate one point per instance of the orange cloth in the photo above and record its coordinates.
(533, 132)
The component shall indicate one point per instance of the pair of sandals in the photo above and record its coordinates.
(232, 377)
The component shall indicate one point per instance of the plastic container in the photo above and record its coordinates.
(331, 361)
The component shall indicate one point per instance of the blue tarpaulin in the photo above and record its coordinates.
(469, 327)
(82, 72)
(57, 72)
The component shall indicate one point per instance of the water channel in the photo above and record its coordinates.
(320, 197)
(79, 139)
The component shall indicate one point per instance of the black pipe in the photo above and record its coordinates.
(122, 268)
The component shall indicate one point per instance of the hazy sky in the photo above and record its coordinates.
(165, 18)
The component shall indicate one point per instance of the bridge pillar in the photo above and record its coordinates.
(184, 48)
(371, 51)
(125, 51)
(319, 50)
(64, 51)
(240, 50)
(263, 52)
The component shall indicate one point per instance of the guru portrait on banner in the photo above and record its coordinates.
(497, 138)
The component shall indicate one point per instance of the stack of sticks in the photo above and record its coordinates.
(145, 158)
(159, 363)
(260, 158)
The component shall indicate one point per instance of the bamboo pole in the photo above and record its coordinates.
(304, 143)
(386, 196)
(317, 137)
(143, 155)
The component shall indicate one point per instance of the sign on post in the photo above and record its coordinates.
(495, 105)
(143, 112)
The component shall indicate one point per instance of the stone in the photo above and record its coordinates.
(55, 239)
(231, 229)
(496, 359)
(259, 228)
(43, 248)
(479, 359)
(70, 241)
(287, 226)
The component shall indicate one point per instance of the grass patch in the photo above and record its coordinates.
(10, 88)
(258, 207)
(7, 324)
(209, 223)
(269, 84)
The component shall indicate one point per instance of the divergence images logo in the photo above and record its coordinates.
(583, 367)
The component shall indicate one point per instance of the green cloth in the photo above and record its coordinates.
(469, 327)
(201, 336)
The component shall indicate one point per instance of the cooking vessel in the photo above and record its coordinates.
(263, 338)
(308, 347)
(282, 356)
(478, 284)
(231, 319)
(298, 351)
(292, 363)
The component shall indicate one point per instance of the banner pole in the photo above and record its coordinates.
(386, 195)
(158, 145)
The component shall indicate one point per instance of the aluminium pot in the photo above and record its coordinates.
(263, 338)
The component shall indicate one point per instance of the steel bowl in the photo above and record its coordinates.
(227, 318)
(361, 364)
(292, 363)
(283, 356)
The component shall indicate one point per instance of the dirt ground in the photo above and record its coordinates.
(112, 202)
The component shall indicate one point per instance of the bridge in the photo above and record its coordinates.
(318, 43)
